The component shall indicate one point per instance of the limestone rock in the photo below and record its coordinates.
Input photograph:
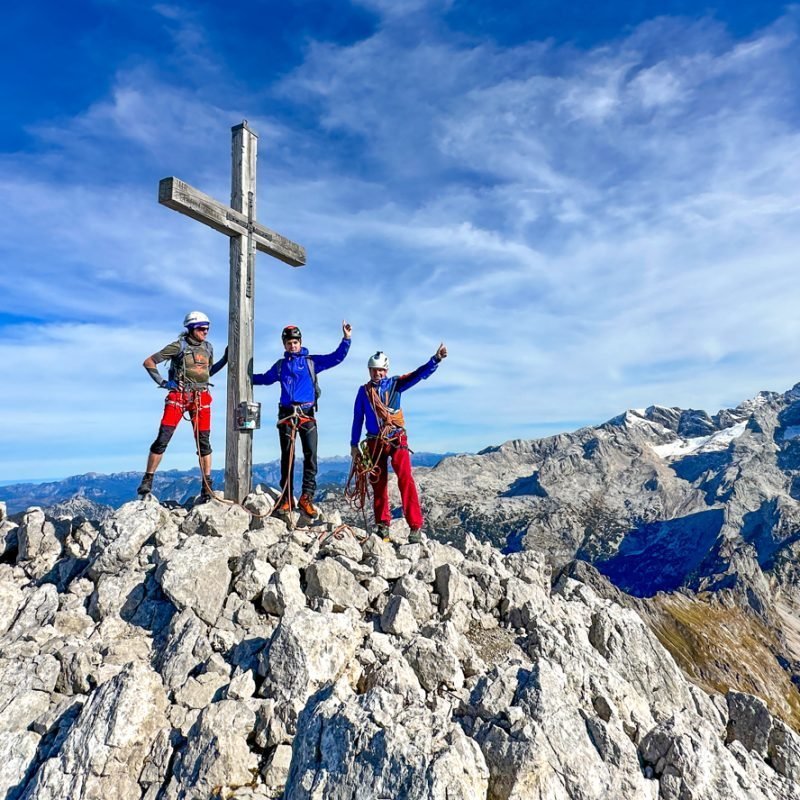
(329, 580)
(122, 536)
(401, 751)
(283, 592)
(216, 519)
(398, 617)
(196, 576)
(39, 547)
(308, 651)
(217, 757)
(105, 751)
(749, 722)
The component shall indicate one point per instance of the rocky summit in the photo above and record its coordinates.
(215, 653)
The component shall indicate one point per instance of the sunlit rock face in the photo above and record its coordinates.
(166, 654)
(657, 499)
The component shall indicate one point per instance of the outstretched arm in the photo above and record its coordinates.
(220, 364)
(405, 382)
(270, 376)
(338, 355)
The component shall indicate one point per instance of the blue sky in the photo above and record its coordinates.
(595, 208)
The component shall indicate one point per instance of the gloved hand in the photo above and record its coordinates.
(170, 385)
(354, 452)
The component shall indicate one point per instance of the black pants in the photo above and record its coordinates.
(307, 434)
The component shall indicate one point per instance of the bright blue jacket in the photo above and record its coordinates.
(390, 390)
(297, 387)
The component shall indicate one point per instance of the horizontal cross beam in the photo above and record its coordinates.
(176, 194)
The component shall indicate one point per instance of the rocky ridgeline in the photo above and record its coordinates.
(659, 499)
(213, 654)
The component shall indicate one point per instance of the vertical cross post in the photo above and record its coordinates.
(239, 443)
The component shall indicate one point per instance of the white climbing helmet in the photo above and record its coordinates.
(195, 319)
(378, 360)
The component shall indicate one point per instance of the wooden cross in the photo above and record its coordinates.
(238, 221)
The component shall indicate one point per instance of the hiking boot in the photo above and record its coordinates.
(382, 530)
(207, 490)
(146, 486)
(415, 536)
(285, 506)
(306, 506)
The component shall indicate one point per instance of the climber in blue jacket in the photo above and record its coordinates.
(297, 373)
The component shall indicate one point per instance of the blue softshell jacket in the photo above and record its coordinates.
(297, 388)
(389, 389)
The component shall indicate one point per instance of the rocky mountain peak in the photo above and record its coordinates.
(214, 652)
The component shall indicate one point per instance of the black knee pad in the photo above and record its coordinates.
(162, 440)
(204, 438)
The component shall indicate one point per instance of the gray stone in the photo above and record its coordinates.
(784, 750)
(39, 547)
(123, 535)
(434, 664)
(283, 592)
(308, 651)
(418, 595)
(400, 751)
(452, 587)
(329, 580)
(182, 652)
(749, 722)
(216, 519)
(196, 576)
(276, 771)
(398, 617)
(106, 749)
(217, 758)
(252, 575)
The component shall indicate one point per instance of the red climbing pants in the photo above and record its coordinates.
(197, 403)
(401, 464)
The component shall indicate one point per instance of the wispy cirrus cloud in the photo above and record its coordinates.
(588, 229)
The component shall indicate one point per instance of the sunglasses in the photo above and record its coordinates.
(202, 329)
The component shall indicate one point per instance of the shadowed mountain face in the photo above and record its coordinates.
(657, 499)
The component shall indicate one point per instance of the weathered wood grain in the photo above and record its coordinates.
(180, 196)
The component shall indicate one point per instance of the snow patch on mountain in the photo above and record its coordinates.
(717, 441)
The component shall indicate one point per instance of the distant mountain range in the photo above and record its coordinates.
(169, 485)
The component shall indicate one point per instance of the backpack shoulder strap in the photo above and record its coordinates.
(312, 371)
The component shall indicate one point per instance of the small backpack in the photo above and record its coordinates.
(176, 362)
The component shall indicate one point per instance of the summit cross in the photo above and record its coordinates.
(237, 221)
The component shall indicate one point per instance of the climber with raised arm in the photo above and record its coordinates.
(297, 372)
(377, 406)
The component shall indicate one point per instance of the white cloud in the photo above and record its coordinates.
(587, 231)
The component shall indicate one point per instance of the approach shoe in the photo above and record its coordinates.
(207, 490)
(146, 486)
(381, 530)
(285, 506)
(415, 536)
(306, 506)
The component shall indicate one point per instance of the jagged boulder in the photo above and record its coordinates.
(39, 547)
(107, 748)
(217, 757)
(401, 750)
(196, 575)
